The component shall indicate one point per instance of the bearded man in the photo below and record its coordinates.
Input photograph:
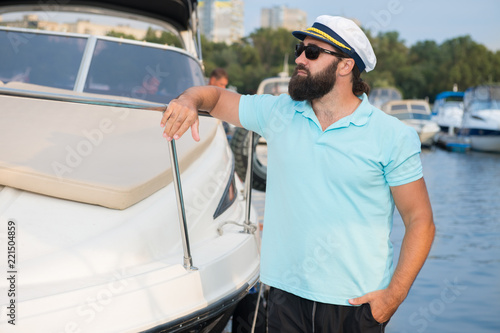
(337, 168)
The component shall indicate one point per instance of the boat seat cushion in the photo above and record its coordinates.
(108, 156)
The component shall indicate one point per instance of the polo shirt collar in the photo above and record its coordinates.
(359, 117)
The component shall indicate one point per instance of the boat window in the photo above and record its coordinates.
(276, 88)
(477, 105)
(418, 108)
(399, 107)
(495, 93)
(482, 98)
(138, 71)
(452, 107)
(482, 93)
(43, 59)
(411, 115)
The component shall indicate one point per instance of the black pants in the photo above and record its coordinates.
(288, 313)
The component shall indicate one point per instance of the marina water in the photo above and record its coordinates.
(458, 289)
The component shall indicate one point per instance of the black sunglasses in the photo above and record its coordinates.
(313, 51)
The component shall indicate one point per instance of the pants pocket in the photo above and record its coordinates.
(368, 322)
(367, 311)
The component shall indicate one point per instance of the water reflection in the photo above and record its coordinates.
(458, 289)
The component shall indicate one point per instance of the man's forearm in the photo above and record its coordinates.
(220, 103)
(202, 97)
(414, 251)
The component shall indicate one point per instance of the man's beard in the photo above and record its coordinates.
(310, 87)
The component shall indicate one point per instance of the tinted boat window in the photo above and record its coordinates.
(418, 108)
(137, 71)
(42, 59)
(276, 88)
(399, 107)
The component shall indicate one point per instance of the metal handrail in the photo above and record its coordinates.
(91, 100)
(188, 260)
(248, 181)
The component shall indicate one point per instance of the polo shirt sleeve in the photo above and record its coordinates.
(404, 164)
(256, 112)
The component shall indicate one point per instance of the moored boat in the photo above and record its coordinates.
(111, 227)
(448, 110)
(481, 121)
(416, 114)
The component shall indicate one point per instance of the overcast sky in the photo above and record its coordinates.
(415, 20)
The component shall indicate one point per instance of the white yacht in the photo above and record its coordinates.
(481, 121)
(108, 226)
(448, 111)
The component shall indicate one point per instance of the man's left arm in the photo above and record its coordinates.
(412, 202)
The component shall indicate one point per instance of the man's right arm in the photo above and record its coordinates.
(182, 112)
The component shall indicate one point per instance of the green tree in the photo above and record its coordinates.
(422, 69)
(273, 45)
(465, 63)
(392, 55)
(163, 37)
(113, 33)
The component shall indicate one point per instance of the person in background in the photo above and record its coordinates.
(337, 168)
(219, 78)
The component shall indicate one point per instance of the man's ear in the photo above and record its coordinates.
(346, 66)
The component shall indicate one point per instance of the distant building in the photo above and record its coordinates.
(221, 20)
(283, 17)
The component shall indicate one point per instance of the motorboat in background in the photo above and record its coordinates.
(481, 120)
(380, 96)
(448, 111)
(416, 114)
(103, 235)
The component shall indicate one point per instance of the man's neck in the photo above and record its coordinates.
(334, 106)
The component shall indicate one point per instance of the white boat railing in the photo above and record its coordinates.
(150, 106)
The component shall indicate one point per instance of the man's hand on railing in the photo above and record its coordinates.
(182, 112)
(180, 115)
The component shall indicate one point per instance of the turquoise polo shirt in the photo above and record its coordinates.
(328, 210)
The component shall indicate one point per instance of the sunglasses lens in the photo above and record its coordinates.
(312, 51)
(299, 48)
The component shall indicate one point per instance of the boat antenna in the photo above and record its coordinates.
(284, 73)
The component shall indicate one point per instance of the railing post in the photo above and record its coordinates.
(248, 181)
(188, 260)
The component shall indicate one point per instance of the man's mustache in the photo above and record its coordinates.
(301, 67)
